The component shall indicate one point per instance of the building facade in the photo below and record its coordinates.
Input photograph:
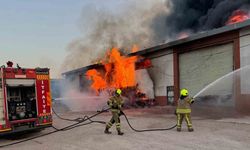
(198, 60)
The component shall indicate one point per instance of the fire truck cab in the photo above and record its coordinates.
(25, 101)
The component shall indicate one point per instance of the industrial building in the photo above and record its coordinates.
(193, 62)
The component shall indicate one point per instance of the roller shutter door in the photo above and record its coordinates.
(18, 82)
(200, 67)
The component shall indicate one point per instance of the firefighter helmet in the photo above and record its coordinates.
(118, 91)
(184, 92)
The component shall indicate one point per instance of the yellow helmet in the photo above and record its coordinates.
(184, 92)
(119, 91)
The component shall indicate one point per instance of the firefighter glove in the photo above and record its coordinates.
(192, 100)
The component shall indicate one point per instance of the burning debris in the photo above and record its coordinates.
(119, 72)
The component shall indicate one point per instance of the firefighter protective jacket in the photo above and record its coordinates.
(183, 106)
(115, 103)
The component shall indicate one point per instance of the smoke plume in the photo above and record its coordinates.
(103, 28)
(75, 100)
(198, 15)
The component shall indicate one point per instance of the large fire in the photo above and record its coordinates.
(119, 72)
(238, 16)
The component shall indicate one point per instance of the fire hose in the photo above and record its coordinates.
(69, 127)
(79, 122)
(122, 113)
(146, 130)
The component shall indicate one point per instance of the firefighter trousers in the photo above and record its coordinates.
(187, 117)
(115, 119)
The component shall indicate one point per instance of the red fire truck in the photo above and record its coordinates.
(25, 101)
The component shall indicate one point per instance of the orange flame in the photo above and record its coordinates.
(98, 82)
(119, 72)
(238, 16)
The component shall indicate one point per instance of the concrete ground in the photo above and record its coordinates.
(209, 134)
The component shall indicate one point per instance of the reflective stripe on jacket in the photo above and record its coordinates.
(183, 111)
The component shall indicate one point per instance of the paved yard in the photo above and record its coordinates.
(209, 134)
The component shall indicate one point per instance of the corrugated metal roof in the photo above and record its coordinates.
(170, 44)
(194, 37)
(82, 69)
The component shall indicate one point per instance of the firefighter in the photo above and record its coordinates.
(115, 103)
(183, 110)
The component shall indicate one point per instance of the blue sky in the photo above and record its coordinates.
(36, 32)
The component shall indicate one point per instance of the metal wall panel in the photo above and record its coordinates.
(199, 68)
(245, 60)
(162, 73)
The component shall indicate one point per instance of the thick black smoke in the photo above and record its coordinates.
(197, 15)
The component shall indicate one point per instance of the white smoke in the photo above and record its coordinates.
(77, 100)
(127, 24)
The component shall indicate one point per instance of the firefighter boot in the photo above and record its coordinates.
(120, 133)
(190, 129)
(179, 129)
(107, 131)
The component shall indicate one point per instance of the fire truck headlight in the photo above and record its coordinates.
(21, 115)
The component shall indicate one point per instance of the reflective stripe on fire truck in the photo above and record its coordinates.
(48, 99)
(42, 77)
(8, 129)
